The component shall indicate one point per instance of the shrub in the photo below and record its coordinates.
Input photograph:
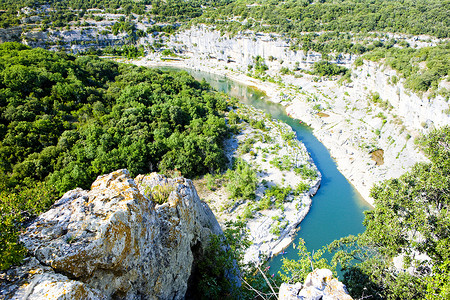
(301, 188)
(279, 193)
(325, 68)
(17, 207)
(160, 193)
(306, 172)
(242, 181)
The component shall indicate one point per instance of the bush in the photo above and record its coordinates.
(219, 265)
(242, 181)
(306, 172)
(160, 193)
(301, 188)
(279, 193)
(16, 208)
(325, 68)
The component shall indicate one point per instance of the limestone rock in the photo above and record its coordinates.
(319, 284)
(114, 241)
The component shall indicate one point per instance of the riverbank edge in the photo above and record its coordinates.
(272, 91)
(265, 244)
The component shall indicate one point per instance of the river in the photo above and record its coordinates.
(337, 208)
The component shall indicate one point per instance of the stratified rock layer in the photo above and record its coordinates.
(319, 284)
(115, 242)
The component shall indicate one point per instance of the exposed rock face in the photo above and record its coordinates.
(11, 34)
(319, 284)
(113, 242)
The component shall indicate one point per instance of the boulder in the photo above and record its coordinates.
(319, 284)
(115, 241)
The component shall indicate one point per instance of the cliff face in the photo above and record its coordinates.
(242, 48)
(114, 242)
(202, 42)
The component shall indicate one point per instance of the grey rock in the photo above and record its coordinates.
(114, 241)
(318, 285)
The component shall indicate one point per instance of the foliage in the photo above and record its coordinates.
(129, 51)
(218, 269)
(422, 68)
(210, 181)
(296, 270)
(260, 66)
(279, 193)
(168, 52)
(283, 163)
(301, 188)
(306, 172)
(16, 208)
(160, 193)
(278, 227)
(325, 68)
(67, 120)
(242, 181)
(264, 203)
(295, 17)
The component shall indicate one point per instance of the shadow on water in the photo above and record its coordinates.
(337, 208)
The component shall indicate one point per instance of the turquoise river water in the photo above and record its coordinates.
(337, 208)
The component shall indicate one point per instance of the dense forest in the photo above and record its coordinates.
(64, 120)
(292, 17)
(296, 16)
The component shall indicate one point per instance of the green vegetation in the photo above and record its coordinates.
(65, 120)
(259, 67)
(296, 270)
(220, 264)
(306, 172)
(242, 181)
(325, 68)
(17, 207)
(60, 13)
(278, 227)
(283, 163)
(279, 193)
(301, 188)
(422, 68)
(160, 193)
(294, 17)
(288, 17)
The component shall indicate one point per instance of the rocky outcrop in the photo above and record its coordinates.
(319, 284)
(11, 34)
(115, 241)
